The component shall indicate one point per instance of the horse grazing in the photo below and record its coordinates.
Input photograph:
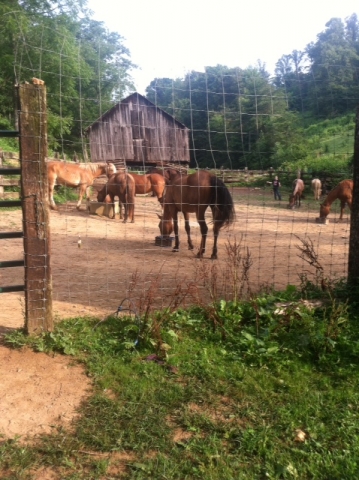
(317, 188)
(343, 192)
(194, 194)
(76, 175)
(121, 185)
(153, 182)
(297, 193)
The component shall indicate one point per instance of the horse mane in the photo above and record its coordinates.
(93, 167)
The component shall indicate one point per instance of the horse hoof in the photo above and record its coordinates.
(213, 257)
(175, 250)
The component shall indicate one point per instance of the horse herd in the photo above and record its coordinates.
(342, 192)
(176, 193)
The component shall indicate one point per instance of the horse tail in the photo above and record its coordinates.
(221, 202)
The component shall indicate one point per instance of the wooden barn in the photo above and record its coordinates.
(137, 133)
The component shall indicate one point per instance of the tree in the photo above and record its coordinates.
(334, 60)
(85, 67)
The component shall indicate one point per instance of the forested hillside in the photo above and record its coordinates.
(303, 115)
(245, 118)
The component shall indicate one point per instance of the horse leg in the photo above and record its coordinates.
(215, 236)
(204, 231)
(88, 198)
(124, 201)
(51, 195)
(175, 229)
(82, 193)
(112, 203)
(131, 210)
(188, 231)
(342, 206)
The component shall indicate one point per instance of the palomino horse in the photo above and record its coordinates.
(317, 188)
(343, 192)
(121, 185)
(153, 182)
(76, 175)
(194, 194)
(297, 193)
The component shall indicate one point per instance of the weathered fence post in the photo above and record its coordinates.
(34, 192)
(353, 262)
(1, 187)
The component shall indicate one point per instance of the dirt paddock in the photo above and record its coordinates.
(94, 279)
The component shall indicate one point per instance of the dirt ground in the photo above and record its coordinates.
(95, 279)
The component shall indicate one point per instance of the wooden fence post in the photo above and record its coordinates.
(1, 187)
(353, 262)
(34, 194)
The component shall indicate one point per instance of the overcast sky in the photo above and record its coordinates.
(167, 38)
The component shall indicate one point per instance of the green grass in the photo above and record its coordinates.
(221, 403)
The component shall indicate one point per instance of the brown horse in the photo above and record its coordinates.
(344, 192)
(297, 193)
(194, 194)
(121, 185)
(169, 174)
(153, 182)
(76, 175)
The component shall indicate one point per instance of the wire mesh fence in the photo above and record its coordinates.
(239, 125)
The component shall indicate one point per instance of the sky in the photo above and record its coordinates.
(168, 38)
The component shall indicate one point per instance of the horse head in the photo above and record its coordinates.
(165, 226)
(110, 169)
(291, 201)
(324, 211)
(101, 195)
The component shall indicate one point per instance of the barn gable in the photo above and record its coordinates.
(137, 132)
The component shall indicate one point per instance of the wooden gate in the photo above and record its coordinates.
(32, 136)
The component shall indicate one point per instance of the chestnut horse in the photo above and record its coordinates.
(76, 175)
(121, 185)
(194, 194)
(169, 174)
(147, 183)
(297, 193)
(343, 192)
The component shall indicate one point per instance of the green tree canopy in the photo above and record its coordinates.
(86, 68)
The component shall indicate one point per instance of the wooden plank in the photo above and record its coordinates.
(4, 235)
(12, 288)
(10, 203)
(34, 186)
(9, 182)
(12, 263)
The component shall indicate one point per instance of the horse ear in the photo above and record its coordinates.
(159, 216)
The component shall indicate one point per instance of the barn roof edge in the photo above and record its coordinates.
(125, 100)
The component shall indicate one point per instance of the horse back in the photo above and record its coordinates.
(70, 174)
(298, 186)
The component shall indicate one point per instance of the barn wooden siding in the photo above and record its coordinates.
(139, 133)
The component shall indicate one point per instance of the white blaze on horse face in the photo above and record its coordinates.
(110, 169)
